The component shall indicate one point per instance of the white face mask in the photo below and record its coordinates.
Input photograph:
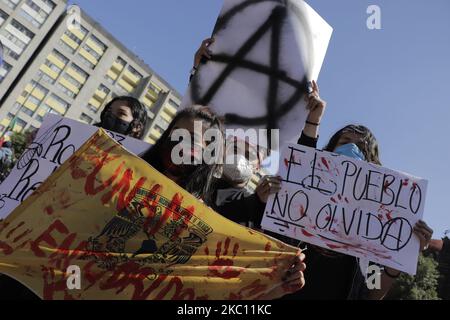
(237, 168)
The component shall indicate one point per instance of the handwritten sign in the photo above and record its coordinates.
(57, 140)
(264, 54)
(348, 206)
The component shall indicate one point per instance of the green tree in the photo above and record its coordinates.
(423, 286)
(19, 142)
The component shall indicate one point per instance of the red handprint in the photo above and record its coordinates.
(223, 264)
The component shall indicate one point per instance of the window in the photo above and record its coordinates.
(4, 70)
(45, 78)
(61, 104)
(86, 62)
(37, 87)
(104, 89)
(66, 46)
(80, 71)
(85, 118)
(72, 80)
(19, 27)
(60, 56)
(173, 104)
(67, 91)
(11, 3)
(36, 14)
(135, 73)
(3, 17)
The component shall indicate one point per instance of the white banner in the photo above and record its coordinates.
(264, 54)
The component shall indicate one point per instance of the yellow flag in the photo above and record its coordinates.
(106, 225)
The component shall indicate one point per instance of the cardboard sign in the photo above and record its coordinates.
(57, 139)
(348, 206)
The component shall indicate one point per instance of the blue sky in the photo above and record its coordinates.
(395, 80)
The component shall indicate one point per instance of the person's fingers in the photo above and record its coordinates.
(315, 86)
(424, 224)
(421, 237)
(207, 42)
(426, 232)
(275, 180)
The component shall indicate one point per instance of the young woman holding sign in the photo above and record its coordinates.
(199, 176)
(332, 275)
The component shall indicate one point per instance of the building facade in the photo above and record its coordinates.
(23, 26)
(77, 70)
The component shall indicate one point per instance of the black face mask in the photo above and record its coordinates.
(112, 123)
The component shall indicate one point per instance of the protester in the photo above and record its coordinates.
(124, 115)
(199, 176)
(232, 199)
(331, 275)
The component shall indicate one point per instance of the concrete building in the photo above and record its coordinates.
(78, 69)
(24, 24)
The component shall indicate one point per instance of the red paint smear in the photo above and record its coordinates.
(122, 188)
(151, 205)
(14, 230)
(286, 162)
(325, 163)
(49, 210)
(346, 200)
(333, 200)
(6, 249)
(380, 216)
(339, 197)
(388, 216)
(333, 246)
(250, 291)
(302, 211)
(307, 234)
(46, 237)
(223, 268)
(174, 205)
(328, 218)
(406, 182)
(227, 245)
(26, 232)
(268, 246)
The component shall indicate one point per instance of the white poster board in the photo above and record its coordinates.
(57, 139)
(264, 54)
(348, 206)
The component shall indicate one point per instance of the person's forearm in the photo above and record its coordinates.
(311, 131)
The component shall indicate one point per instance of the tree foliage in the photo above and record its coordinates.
(423, 286)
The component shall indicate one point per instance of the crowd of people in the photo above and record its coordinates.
(315, 274)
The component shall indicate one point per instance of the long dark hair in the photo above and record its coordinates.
(201, 183)
(138, 111)
(368, 143)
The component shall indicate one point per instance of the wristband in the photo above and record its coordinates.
(312, 123)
